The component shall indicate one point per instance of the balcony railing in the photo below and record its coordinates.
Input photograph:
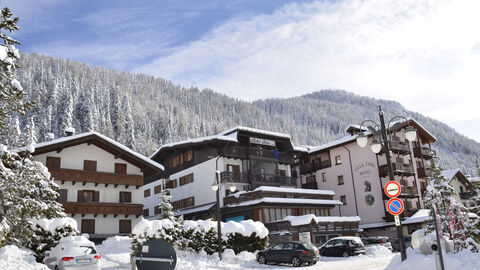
(398, 169)
(423, 151)
(311, 185)
(244, 152)
(313, 167)
(96, 208)
(424, 172)
(467, 195)
(97, 177)
(399, 147)
(258, 179)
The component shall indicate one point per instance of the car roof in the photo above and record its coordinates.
(346, 238)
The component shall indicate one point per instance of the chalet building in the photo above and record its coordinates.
(358, 176)
(464, 190)
(100, 181)
(246, 158)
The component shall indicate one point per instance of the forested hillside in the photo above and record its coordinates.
(144, 112)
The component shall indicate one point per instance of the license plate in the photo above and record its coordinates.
(83, 260)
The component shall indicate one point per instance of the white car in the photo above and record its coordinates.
(75, 253)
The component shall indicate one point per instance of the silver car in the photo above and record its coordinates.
(76, 256)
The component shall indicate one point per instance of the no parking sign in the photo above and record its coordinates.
(395, 206)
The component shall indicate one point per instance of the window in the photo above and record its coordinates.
(125, 196)
(88, 226)
(90, 165)
(125, 226)
(233, 168)
(62, 195)
(340, 180)
(173, 162)
(171, 184)
(188, 202)
(324, 177)
(180, 159)
(146, 212)
(311, 179)
(338, 160)
(121, 168)
(186, 179)
(53, 162)
(282, 172)
(87, 196)
(157, 210)
(157, 189)
(343, 199)
(188, 155)
(146, 193)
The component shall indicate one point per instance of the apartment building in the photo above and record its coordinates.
(246, 158)
(100, 181)
(358, 176)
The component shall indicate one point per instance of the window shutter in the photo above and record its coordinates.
(96, 196)
(80, 196)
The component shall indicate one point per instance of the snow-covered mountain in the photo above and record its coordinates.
(144, 112)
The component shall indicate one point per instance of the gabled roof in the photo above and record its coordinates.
(195, 141)
(100, 141)
(450, 174)
(258, 131)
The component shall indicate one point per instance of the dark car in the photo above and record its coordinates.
(296, 253)
(396, 245)
(343, 247)
(377, 241)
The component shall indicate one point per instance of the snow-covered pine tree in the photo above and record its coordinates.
(65, 110)
(87, 112)
(460, 225)
(129, 136)
(30, 132)
(11, 92)
(475, 207)
(11, 134)
(166, 208)
(439, 193)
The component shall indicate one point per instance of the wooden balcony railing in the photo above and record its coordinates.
(243, 153)
(313, 167)
(311, 185)
(96, 208)
(424, 172)
(258, 179)
(97, 177)
(398, 169)
(234, 177)
(424, 152)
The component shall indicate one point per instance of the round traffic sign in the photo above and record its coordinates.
(392, 189)
(395, 206)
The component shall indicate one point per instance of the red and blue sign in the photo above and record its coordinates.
(395, 206)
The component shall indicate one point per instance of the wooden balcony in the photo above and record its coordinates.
(424, 152)
(311, 185)
(99, 208)
(313, 167)
(258, 179)
(400, 147)
(244, 153)
(398, 169)
(424, 172)
(407, 192)
(97, 177)
(234, 177)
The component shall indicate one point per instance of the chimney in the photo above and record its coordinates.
(69, 131)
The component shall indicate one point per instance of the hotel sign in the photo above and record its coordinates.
(262, 141)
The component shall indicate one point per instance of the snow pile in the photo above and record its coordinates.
(13, 258)
(245, 227)
(307, 219)
(416, 260)
(51, 225)
(116, 244)
(377, 251)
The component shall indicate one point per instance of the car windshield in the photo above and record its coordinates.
(88, 250)
(308, 246)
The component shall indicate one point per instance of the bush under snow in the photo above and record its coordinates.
(13, 258)
(377, 251)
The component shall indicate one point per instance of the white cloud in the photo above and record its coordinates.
(424, 54)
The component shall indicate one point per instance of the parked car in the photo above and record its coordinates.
(396, 245)
(343, 247)
(377, 241)
(296, 253)
(74, 252)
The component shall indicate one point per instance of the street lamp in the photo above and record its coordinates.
(376, 147)
(216, 187)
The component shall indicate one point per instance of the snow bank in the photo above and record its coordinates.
(377, 251)
(13, 258)
(416, 260)
(52, 224)
(245, 227)
(116, 244)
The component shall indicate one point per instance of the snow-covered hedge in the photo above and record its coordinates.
(48, 233)
(201, 235)
(12, 257)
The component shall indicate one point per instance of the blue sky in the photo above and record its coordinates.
(423, 54)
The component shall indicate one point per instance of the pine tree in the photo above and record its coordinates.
(65, 117)
(11, 92)
(129, 137)
(30, 132)
(460, 225)
(11, 135)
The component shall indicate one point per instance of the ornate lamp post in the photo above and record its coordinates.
(376, 146)
(216, 186)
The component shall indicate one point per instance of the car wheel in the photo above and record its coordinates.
(313, 263)
(345, 254)
(262, 260)
(296, 261)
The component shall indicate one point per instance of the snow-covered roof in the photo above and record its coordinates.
(417, 123)
(331, 144)
(194, 209)
(449, 174)
(254, 130)
(302, 148)
(286, 201)
(420, 216)
(86, 134)
(307, 219)
(295, 190)
(472, 215)
(196, 140)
